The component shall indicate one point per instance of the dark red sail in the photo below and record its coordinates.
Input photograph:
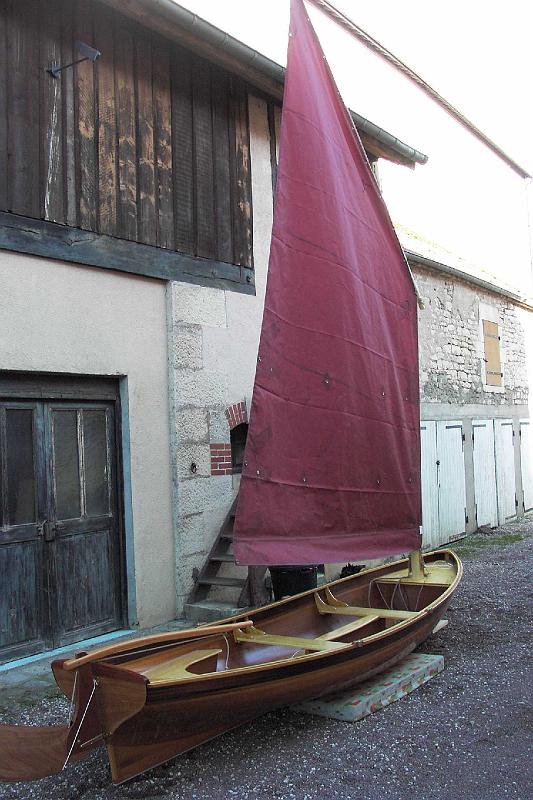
(332, 464)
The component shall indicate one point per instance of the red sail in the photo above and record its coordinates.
(332, 464)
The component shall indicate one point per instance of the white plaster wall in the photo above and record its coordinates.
(55, 317)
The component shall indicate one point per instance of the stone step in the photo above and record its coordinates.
(210, 610)
(218, 580)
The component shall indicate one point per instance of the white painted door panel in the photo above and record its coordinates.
(526, 461)
(430, 505)
(485, 473)
(451, 477)
(505, 471)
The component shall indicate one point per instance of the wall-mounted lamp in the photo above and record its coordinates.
(88, 53)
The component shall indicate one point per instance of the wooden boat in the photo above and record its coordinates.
(331, 473)
(148, 700)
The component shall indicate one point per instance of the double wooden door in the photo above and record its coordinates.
(60, 573)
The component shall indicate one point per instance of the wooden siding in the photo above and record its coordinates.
(149, 144)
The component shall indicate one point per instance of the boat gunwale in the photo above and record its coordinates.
(357, 644)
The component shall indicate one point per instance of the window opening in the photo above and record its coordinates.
(238, 441)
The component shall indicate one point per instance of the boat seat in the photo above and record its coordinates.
(174, 668)
(349, 628)
(260, 637)
(334, 606)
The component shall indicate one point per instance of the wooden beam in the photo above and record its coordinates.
(40, 238)
(256, 636)
(349, 628)
(362, 611)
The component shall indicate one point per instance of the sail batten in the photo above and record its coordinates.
(332, 464)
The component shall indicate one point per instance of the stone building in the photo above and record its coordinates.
(474, 388)
(136, 199)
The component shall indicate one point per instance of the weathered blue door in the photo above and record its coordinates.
(60, 555)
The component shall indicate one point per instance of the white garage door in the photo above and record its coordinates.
(443, 482)
(485, 473)
(505, 470)
(526, 460)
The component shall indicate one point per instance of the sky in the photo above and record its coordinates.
(477, 53)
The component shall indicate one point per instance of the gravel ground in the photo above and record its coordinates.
(462, 736)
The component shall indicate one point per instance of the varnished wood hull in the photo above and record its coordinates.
(145, 717)
(172, 723)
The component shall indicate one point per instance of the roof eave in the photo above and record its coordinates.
(415, 258)
(180, 24)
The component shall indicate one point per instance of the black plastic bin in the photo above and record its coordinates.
(288, 580)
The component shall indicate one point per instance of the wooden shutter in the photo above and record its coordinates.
(493, 366)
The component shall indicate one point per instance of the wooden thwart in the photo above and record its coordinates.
(349, 628)
(260, 637)
(334, 606)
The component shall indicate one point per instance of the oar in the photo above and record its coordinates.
(28, 753)
(146, 641)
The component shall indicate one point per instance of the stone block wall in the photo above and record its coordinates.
(452, 366)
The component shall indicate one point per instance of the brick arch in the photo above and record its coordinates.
(236, 414)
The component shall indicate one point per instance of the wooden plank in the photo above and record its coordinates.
(363, 611)
(86, 134)
(127, 157)
(242, 206)
(107, 122)
(351, 627)
(203, 159)
(273, 115)
(162, 22)
(493, 367)
(3, 467)
(182, 150)
(70, 178)
(3, 104)
(223, 183)
(146, 206)
(163, 142)
(51, 124)
(260, 637)
(23, 105)
(16, 384)
(37, 237)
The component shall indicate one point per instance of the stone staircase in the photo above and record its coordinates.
(221, 587)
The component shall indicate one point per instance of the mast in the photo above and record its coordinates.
(332, 464)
